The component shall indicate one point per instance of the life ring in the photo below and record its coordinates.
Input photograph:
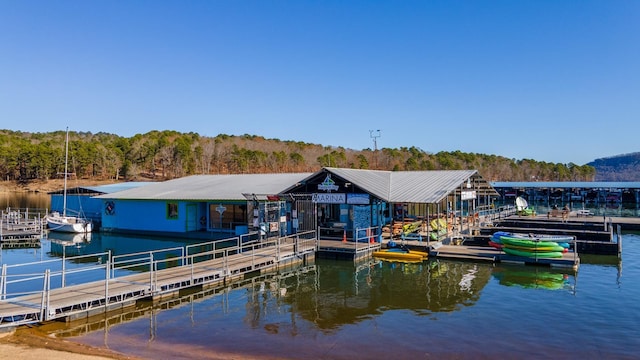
(203, 220)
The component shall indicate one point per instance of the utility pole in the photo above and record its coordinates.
(375, 134)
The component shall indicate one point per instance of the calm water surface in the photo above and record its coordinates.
(341, 310)
(374, 310)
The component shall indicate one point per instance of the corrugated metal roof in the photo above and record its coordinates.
(426, 186)
(111, 188)
(391, 186)
(211, 187)
(568, 184)
(406, 186)
(375, 182)
(103, 189)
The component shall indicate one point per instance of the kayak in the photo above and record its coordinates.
(495, 245)
(532, 236)
(537, 249)
(507, 240)
(401, 254)
(532, 254)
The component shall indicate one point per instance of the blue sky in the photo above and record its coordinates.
(555, 81)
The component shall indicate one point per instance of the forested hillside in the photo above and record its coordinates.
(618, 168)
(164, 155)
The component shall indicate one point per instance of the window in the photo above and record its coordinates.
(227, 215)
(172, 211)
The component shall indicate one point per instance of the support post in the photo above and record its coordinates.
(106, 281)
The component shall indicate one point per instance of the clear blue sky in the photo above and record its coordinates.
(555, 81)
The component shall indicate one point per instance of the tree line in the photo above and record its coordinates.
(162, 155)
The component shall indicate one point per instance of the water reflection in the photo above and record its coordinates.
(63, 244)
(534, 277)
(24, 200)
(344, 295)
(324, 296)
(264, 294)
(118, 244)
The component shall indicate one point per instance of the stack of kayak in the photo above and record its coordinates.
(531, 245)
(438, 228)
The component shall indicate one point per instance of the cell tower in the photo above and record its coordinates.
(375, 134)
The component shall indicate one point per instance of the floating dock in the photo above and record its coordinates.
(489, 254)
(156, 275)
(351, 250)
(20, 229)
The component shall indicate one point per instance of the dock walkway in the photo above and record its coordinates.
(20, 228)
(156, 274)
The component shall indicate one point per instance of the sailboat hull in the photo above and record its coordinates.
(68, 224)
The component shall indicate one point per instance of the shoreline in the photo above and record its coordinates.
(32, 343)
(46, 186)
(27, 343)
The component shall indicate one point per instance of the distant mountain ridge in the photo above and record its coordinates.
(624, 167)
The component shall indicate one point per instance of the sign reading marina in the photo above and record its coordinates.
(328, 184)
(330, 198)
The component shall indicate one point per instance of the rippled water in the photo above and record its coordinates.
(338, 310)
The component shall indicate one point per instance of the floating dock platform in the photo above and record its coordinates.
(489, 254)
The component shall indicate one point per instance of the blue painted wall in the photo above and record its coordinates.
(148, 216)
(78, 204)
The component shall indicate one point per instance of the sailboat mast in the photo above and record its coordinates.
(66, 160)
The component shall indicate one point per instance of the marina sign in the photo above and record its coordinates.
(329, 198)
(328, 184)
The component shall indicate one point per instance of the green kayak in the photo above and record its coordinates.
(533, 254)
(537, 248)
(508, 240)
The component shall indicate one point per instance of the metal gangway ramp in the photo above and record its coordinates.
(102, 282)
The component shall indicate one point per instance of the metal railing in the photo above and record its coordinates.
(21, 220)
(103, 267)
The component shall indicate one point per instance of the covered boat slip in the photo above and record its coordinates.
(128, 278)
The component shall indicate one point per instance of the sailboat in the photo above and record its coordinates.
(63, 222)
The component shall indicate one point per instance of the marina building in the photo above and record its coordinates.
(339, 202)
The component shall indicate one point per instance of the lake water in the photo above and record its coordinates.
(376, 310)
(373, 310)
